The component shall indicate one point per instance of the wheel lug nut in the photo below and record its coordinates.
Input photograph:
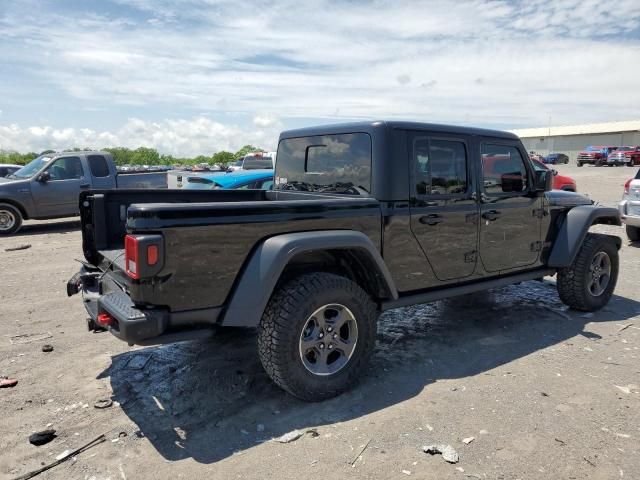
(329, 329)
(330, 347)
(321, 346)
(321, 335)
(335, 335)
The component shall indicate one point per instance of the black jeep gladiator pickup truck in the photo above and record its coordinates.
(363, 217)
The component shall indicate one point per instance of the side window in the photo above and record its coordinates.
(503, 169)
(66, 168)
(440, 166)
(98, 166)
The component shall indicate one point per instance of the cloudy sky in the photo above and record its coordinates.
(197, 76)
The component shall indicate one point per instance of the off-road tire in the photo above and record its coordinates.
(580, 164)
(7, 209)
(633, 233)
(282, 324)
(573, 281)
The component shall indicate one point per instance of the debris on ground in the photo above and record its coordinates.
(86, 446)
(103, 403)
(24, 246)
(47, 348)
(468, 440)
(42, 438)
(406, 472)
(353, 462)
(624, 327)
(63, 454)
(28, 338)
(447, 451)
(8, 382)
(290, 437)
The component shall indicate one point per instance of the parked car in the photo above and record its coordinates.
(560, 182)
(356, 224)
(242, 179)
(48, 186)
(594, 155)
(7, 169)
(255, 160)
(629, 207)
(629, 156)
(556, 158)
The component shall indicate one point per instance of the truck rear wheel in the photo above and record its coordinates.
(633, 233)
(316, 335)
(589, 282)
(10, 219)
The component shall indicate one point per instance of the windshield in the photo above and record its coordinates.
(31, 168)
(625, 149)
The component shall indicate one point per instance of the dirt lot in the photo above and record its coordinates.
(546, 392)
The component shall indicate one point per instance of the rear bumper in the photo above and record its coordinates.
(134, 324)
(628, 216)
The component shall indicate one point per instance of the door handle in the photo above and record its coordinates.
(84, 185)
(432, 219)
(491, 215)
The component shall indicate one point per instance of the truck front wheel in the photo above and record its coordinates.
(317, 334)
(10, 219)
(633, 233)
(588, 283)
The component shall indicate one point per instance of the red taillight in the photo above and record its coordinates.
(626, 185)
(105, 319)
(131, 256)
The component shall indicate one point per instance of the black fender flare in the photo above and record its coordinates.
(574, 230)
(268, 260)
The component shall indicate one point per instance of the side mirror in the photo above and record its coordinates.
(512, 182)
(544, 180)
(44, 177)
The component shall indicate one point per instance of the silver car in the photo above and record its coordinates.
(629, 207)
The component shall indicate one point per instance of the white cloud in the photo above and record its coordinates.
(177, 137)
(479, 62)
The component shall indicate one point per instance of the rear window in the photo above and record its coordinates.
(257, 163)
(326, 163)
(98, 166)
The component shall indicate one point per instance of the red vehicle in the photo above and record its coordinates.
(560, 182)
(595, 155)
(628, 156)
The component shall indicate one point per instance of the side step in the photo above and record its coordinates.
(433, 295)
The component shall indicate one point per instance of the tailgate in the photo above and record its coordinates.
(103, 213)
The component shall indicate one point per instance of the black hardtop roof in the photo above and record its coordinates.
(371, 126)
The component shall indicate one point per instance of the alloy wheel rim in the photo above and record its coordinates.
(599, 274)
(328, 339)
(7, 220)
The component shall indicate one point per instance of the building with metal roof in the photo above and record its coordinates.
(571, 139)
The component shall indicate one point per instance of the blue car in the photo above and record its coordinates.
(241, 179)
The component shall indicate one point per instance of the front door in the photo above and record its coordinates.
(444, 212)
(510, 210)
(58, 196)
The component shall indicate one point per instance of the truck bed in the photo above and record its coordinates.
(208, 235)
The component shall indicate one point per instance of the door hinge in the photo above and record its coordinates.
(536, 246)
(539, 212)
(470, 257)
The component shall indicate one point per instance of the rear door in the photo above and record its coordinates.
(58, 196)
(510, 210)
(444, 210)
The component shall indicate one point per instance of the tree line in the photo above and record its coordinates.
(140, 156)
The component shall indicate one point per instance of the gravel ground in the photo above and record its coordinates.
(543, 391)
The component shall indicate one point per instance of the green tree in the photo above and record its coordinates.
(244, 150)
